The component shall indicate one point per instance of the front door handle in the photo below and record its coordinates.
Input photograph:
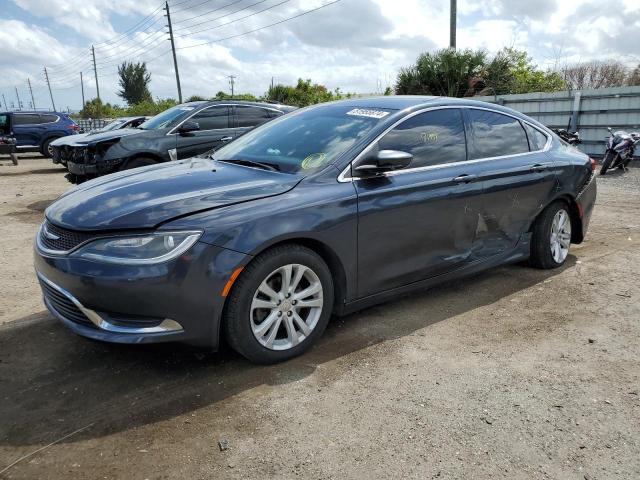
(538, 167)
(226, 139)
(465, 178)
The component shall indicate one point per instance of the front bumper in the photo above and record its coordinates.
(178, 300)
(103, 167)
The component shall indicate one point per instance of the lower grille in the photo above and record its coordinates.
(63, 305)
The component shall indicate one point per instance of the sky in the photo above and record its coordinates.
(356, 45)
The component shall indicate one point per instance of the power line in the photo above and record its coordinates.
(191, 7)
(228, 15)
(262, 28)
(207, 13)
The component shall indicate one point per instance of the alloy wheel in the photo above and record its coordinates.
(560, 236)
(286, 307)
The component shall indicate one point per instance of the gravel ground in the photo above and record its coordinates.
(514, 373)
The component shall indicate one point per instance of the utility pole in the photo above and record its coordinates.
(33, 102)
(272, 81)
(19, 102)
(5, 102)
(232, 82)
(173, 49)
(46, 76)
(95, 71)
(82, 89)
(453, 20)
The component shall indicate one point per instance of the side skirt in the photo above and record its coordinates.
(519, 253)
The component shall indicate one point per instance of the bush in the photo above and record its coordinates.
(96, 109)
(303, 94)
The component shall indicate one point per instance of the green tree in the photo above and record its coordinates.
(455, 73)
(303, 94)
(446, 72)
(134, 81)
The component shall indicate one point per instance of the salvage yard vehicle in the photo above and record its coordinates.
(620, 150)
(328, 209)
(35, 131)
(180, 132)
(61, 148)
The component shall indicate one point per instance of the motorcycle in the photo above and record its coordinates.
(620, 149)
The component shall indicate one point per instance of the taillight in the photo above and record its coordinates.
(594, 164)
(74, 127)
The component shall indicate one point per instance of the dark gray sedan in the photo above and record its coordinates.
(323, 211)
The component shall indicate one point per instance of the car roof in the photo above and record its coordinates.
(35, 111)
(404, 103)
(246, 102)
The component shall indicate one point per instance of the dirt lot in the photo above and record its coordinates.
(515, 373)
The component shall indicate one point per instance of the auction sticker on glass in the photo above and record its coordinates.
(365, 112)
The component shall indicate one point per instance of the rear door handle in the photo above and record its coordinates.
(465, 178)
(538, 167)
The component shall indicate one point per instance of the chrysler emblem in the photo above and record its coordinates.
(49, 235)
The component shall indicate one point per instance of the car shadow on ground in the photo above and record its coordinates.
(54, 382)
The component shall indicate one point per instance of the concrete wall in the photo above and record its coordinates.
(595, 110)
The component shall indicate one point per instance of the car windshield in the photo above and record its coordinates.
(114, 125)
(304, 141)
(168, 117)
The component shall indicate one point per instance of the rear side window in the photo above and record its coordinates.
(48, 118)
(251, 116)
(26, 119)
(212, 118)
(495, 135)
(433, 138)
(537, 139)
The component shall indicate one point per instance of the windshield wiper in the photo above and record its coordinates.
(252, 163)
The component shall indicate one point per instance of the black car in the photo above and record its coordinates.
(326, 210)
(58, 148)
(182, 131)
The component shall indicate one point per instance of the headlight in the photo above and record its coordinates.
(139, 249)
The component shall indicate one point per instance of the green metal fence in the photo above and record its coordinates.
(588, 111)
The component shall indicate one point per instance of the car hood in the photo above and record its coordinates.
(69, 140)
(110, 135)
(146, 197)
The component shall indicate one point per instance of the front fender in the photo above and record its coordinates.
(324, 212)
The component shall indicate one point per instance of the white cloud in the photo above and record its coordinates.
(357, 45)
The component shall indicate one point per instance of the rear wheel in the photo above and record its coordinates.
(608, 160)
(280, 304)
(46, 149)
(551, 237)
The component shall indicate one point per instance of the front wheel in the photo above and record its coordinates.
(607, 162)
(551, 237)
(279, 305)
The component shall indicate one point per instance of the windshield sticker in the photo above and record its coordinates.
(186, 109)
(364, 112)
(273, 151)
(314, 161)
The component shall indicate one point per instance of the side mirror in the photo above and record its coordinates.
(384, 161)
(188, 127)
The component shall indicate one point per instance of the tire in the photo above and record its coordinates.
(262, 334)
(545, 242)
(606, 163)
(138, 162)
(45, 150)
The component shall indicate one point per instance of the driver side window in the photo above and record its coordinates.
(433, 138)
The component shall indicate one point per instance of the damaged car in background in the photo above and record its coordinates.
(62, 148)
(180, 132)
